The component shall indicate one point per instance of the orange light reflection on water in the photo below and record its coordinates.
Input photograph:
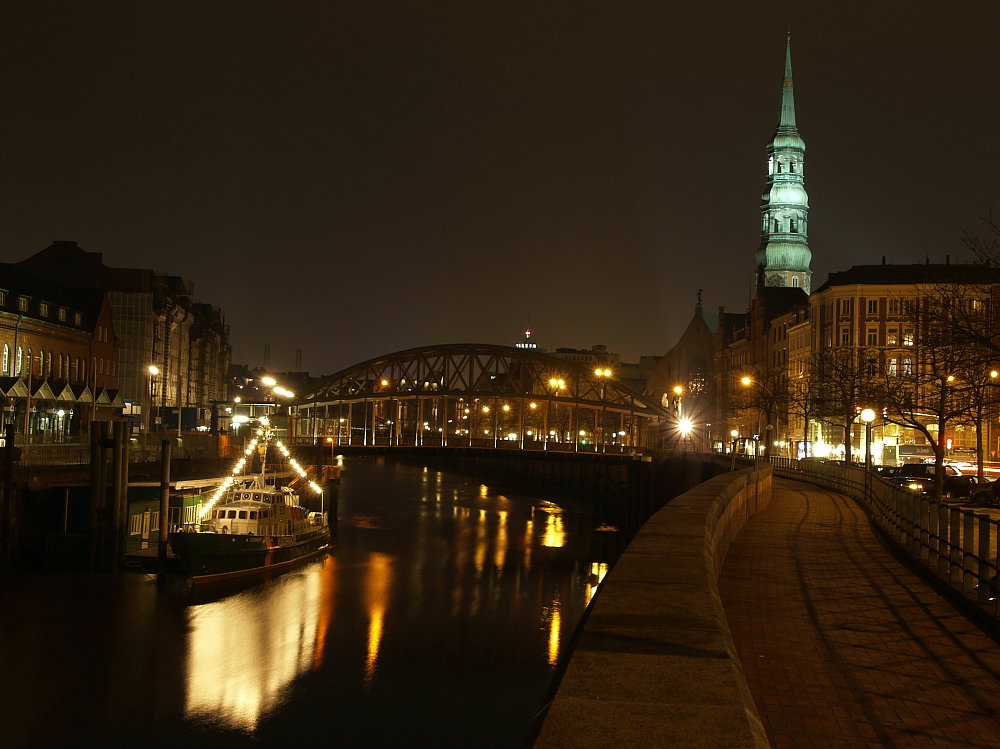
(243, 655)
(555, 631)
(377, 594)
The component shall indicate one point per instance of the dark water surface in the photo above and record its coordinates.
(438, 621)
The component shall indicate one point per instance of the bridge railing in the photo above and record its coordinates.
(957, 545)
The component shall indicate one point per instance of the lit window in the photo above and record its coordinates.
(845, 336)
(61, 314)
(77, 318)
(43, 309)
(907, 337)
(6, 359)
(22, 304)
(892, 338)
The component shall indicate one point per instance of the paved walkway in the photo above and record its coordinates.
(842, 645)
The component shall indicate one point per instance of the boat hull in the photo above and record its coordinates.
(213, 557)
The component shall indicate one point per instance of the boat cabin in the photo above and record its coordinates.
(257, 511)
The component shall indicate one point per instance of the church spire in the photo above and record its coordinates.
(787, 119)
(783, 257)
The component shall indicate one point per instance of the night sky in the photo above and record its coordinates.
(354, 179)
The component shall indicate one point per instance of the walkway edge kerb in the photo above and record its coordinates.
(655, 664)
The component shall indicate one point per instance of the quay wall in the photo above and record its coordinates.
(654, 663)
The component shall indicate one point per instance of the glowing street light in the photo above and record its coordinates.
(151, 372)
(868, 416)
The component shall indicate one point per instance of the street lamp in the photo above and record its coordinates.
(602, 375)
(768, 398)
(732, 449)
(557, 385)
(151, 372)
(868, 416)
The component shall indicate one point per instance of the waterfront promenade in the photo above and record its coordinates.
(844, 646)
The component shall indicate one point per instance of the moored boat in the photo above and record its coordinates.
(253, 525)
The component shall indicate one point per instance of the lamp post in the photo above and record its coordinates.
(602, 375)
(768, 400)
(987, 453)
(732, 450)
(868, 416)
(151, 372)
(556, 384)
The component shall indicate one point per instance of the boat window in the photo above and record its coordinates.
(246, 495)
(256, 497)
(243, 514)
(232, 513)
(253, 514)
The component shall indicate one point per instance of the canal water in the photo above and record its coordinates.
(439, 620)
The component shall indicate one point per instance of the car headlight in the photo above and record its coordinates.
(916, 486)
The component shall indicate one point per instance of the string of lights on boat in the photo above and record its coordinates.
(262, 433)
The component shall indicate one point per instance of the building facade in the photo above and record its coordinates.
(172, 353)
(59, 370)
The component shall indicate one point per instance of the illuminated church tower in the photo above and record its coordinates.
(783, 256)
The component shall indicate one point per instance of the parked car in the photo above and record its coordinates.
(986, 493)
(919, 477)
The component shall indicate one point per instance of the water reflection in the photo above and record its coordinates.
(377, 600)
(438, 620)
(246, 649)
(555, 631)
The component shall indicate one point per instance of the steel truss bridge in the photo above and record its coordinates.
(476, 395)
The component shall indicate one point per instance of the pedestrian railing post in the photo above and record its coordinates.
(913, 525)
(955, 548)
(984, 574)
(944, 543)
(968, 552)
(933, 536)
(925, 546)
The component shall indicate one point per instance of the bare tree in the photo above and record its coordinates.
(919, 384)
(845, 378)
(986, 248)
(765, 390)
(804, 396)
(964, 322)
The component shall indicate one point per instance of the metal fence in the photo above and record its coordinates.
(957, 545)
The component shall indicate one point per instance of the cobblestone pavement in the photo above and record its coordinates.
(842, 645)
